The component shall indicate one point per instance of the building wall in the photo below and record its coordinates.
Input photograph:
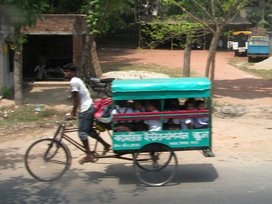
(77, 48)
(62, 24)
(6, 76)
(50, 24)
(58, 24)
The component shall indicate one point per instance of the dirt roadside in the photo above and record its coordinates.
(242, 121)
(243, 102)
(231, 85)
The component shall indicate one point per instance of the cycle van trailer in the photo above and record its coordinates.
(153, 152)
(163, 90)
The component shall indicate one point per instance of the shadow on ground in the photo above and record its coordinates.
(47, 95)
(27, 190)
(187, 173)
(247, 88)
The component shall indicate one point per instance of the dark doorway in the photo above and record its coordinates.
(52, 51)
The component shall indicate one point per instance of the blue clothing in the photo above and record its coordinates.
(85, 123)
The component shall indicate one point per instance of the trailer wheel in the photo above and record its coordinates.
(155, 164)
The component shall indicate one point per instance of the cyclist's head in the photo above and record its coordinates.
(70, 70)
(70, 67)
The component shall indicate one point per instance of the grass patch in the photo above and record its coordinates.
(266, 74)
(10, 117)
(247, 67)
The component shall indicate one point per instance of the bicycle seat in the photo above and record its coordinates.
(105, 80)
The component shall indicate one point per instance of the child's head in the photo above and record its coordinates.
(138, 104)
(152, 106)
(189, 104)
(122, 104)
(171, 104)
(200, 104)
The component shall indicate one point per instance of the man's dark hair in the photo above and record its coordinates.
(71, 67)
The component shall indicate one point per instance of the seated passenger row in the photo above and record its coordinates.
(186, 123)
(138, 106)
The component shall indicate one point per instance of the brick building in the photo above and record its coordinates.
(56, 39)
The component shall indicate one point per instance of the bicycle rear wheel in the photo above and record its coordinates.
(155, 164)
(47, 159)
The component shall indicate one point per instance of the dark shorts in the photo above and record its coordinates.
(85, 121)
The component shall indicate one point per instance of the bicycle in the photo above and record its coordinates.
(48, 159)
(152, 152)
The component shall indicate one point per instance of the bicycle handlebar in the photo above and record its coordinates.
(67, 117)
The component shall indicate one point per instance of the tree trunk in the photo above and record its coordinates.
(17, 77)
(212, 52)
(187, 60)
(139, 35)
(90, 64)
(210, 67)
(95, 68)
(84, 62)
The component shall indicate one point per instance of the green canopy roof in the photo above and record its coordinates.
(161, 88)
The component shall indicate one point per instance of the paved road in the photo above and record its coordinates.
(233, 176)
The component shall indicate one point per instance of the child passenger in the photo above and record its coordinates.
(201, 122)
(124, 125)
(139, 107)
(188, 123)
(171, 123)
(153, 125)
(121, 126)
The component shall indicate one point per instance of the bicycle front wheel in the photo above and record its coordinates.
(47, 159)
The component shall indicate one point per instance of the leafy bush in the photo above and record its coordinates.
(6, 92)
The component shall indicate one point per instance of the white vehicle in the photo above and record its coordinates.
(238, 42)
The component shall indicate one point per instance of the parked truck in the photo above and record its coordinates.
(258, 48)
(238, 42)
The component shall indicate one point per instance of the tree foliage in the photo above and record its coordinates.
(24, 13)
(214, 15)
(161, 31)
(20, 13)
(259, 13)
(104, 14)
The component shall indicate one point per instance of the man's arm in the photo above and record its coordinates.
(76, 101)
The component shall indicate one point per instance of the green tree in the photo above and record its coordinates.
(99, 14)
(184, 31)
(144, 10)
(214, 15)
(259, 12)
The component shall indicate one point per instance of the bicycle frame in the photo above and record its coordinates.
(61, 133)
(152, 152)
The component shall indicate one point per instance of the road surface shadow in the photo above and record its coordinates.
(50, 96)
(24, 189)
(247, 88)
(186, 173)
